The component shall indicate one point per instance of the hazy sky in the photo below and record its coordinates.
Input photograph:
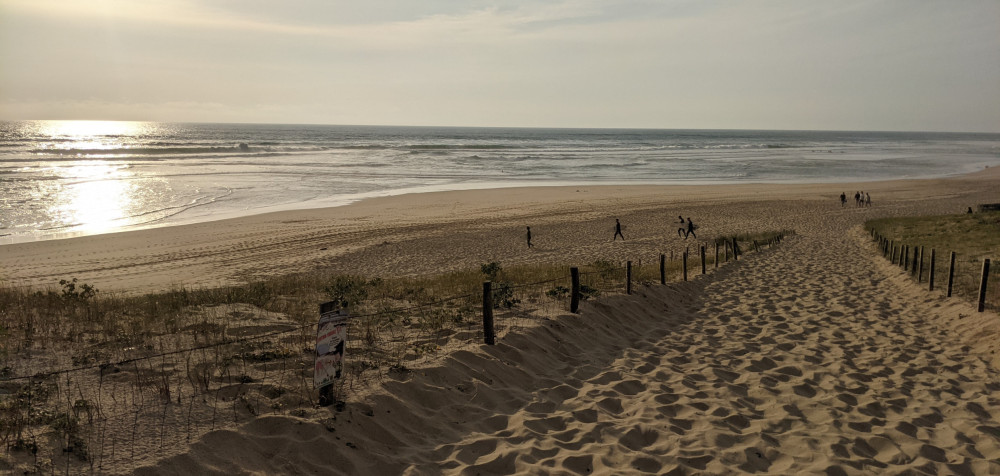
(797, 64)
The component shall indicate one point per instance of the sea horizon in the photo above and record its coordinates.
(71, 178)
(566, 128)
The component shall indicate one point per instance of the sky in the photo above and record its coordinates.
(893, 65)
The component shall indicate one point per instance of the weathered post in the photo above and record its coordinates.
(982, 284)
(918, 261)
(685, 265)
(930, 275)
(756, 247)
(906, 258)
(736, 250)
(920, 273)
(574, 299)
(951, 273)
(663, 268)
(628, 277)
(703, 259)
(489, 335)
(716, 253)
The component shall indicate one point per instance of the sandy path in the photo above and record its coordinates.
(815, 357)
(805, 359)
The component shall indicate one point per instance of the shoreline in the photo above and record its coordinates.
(348, 200)
(370, 237)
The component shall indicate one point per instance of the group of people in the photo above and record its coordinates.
(686, 229)
(861, 199)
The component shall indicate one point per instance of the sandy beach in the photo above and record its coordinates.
(816, 357)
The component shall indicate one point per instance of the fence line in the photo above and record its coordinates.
(965, 278)
(129, 412)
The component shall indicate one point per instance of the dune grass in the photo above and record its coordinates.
(82, 367)
(972, 236)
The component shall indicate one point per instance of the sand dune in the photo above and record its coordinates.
(815, 357)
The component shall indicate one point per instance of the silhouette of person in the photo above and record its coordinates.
(843, 199)
(529, 237)
(868, 199)
(618, 230)
(690, 230)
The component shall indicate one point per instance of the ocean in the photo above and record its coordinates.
(71, 178)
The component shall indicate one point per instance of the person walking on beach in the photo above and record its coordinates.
(857, 199)
(529, 237)
(680, 231)
(690, 229)
(843, 200)
(868, 199)
(618, 230)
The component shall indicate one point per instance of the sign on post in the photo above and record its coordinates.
(331, 338)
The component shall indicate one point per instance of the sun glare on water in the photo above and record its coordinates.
(94, 196)
(87, 130)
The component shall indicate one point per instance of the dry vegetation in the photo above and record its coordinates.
(96, 381)
(973, 237)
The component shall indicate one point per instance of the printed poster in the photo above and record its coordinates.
(331, 338)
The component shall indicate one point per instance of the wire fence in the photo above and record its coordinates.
(114, 411)
(971, 278)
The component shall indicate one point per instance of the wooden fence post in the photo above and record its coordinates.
(685, 265)
(930, 275)
(628, 277)
(736, 250)
(951, 273)
(703, 259)
(663, 269)
(906, 258)
(918, 256)
(489, 335)
(574, 298)
(982, 284)
(716, 253)
(920, 273)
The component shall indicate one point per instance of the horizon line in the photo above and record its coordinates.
(646, 128)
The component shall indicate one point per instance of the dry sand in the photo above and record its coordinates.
(816, 357)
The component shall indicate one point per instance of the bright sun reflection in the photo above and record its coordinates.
(97, 198)
(94, 196)
(92, 135)
(84, 129)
